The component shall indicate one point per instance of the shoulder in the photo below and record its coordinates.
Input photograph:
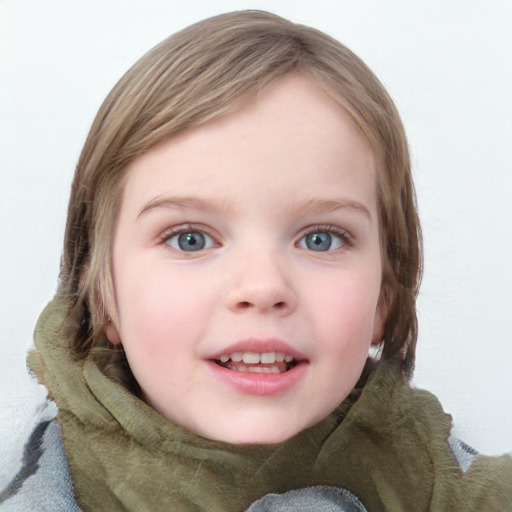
(36, 475)
(463, 453)
(318, 498)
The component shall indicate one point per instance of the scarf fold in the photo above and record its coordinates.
(386, 444)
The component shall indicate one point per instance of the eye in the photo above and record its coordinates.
(323, 239)
(190, 241)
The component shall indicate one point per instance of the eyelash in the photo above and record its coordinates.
(343, 234)
(184, 228)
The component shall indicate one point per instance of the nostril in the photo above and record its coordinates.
(261, 305)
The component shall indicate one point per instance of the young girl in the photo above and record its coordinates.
(242, 229)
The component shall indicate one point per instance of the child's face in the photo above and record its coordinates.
(256, 233)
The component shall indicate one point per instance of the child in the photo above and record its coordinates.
(242, 228)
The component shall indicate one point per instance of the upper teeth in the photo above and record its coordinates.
(255, 357)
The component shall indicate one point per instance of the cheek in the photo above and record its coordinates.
(345, 308)
(158, 304)
(159, 327)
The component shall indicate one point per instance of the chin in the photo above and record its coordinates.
(258, 438)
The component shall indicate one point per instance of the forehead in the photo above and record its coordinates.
(291, 135)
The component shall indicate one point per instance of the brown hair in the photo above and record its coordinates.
(198, 74)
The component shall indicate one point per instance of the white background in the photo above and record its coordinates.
(447, 64)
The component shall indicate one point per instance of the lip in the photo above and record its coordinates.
(259, 384)
(260, 346)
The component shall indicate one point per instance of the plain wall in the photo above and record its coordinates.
(447, 64)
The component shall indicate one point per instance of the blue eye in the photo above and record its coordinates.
(322, 241)
(190, 241)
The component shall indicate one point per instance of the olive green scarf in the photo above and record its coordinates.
(387, 446)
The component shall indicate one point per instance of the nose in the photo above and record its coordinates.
(262, 285)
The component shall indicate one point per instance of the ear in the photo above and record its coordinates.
(112, 333)
(379, 322)
(109, 329)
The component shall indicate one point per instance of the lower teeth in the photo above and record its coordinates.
(255, 369)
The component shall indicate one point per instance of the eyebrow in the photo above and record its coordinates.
(316, 206)
(184, 203)
(311, 206)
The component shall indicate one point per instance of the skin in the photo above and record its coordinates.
(256, 182)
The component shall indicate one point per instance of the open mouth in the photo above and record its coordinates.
(265, 362)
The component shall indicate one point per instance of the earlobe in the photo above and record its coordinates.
(112, 333)
(378, 331)
(379, 321)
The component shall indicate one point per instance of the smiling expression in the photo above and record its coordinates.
(247, 267)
